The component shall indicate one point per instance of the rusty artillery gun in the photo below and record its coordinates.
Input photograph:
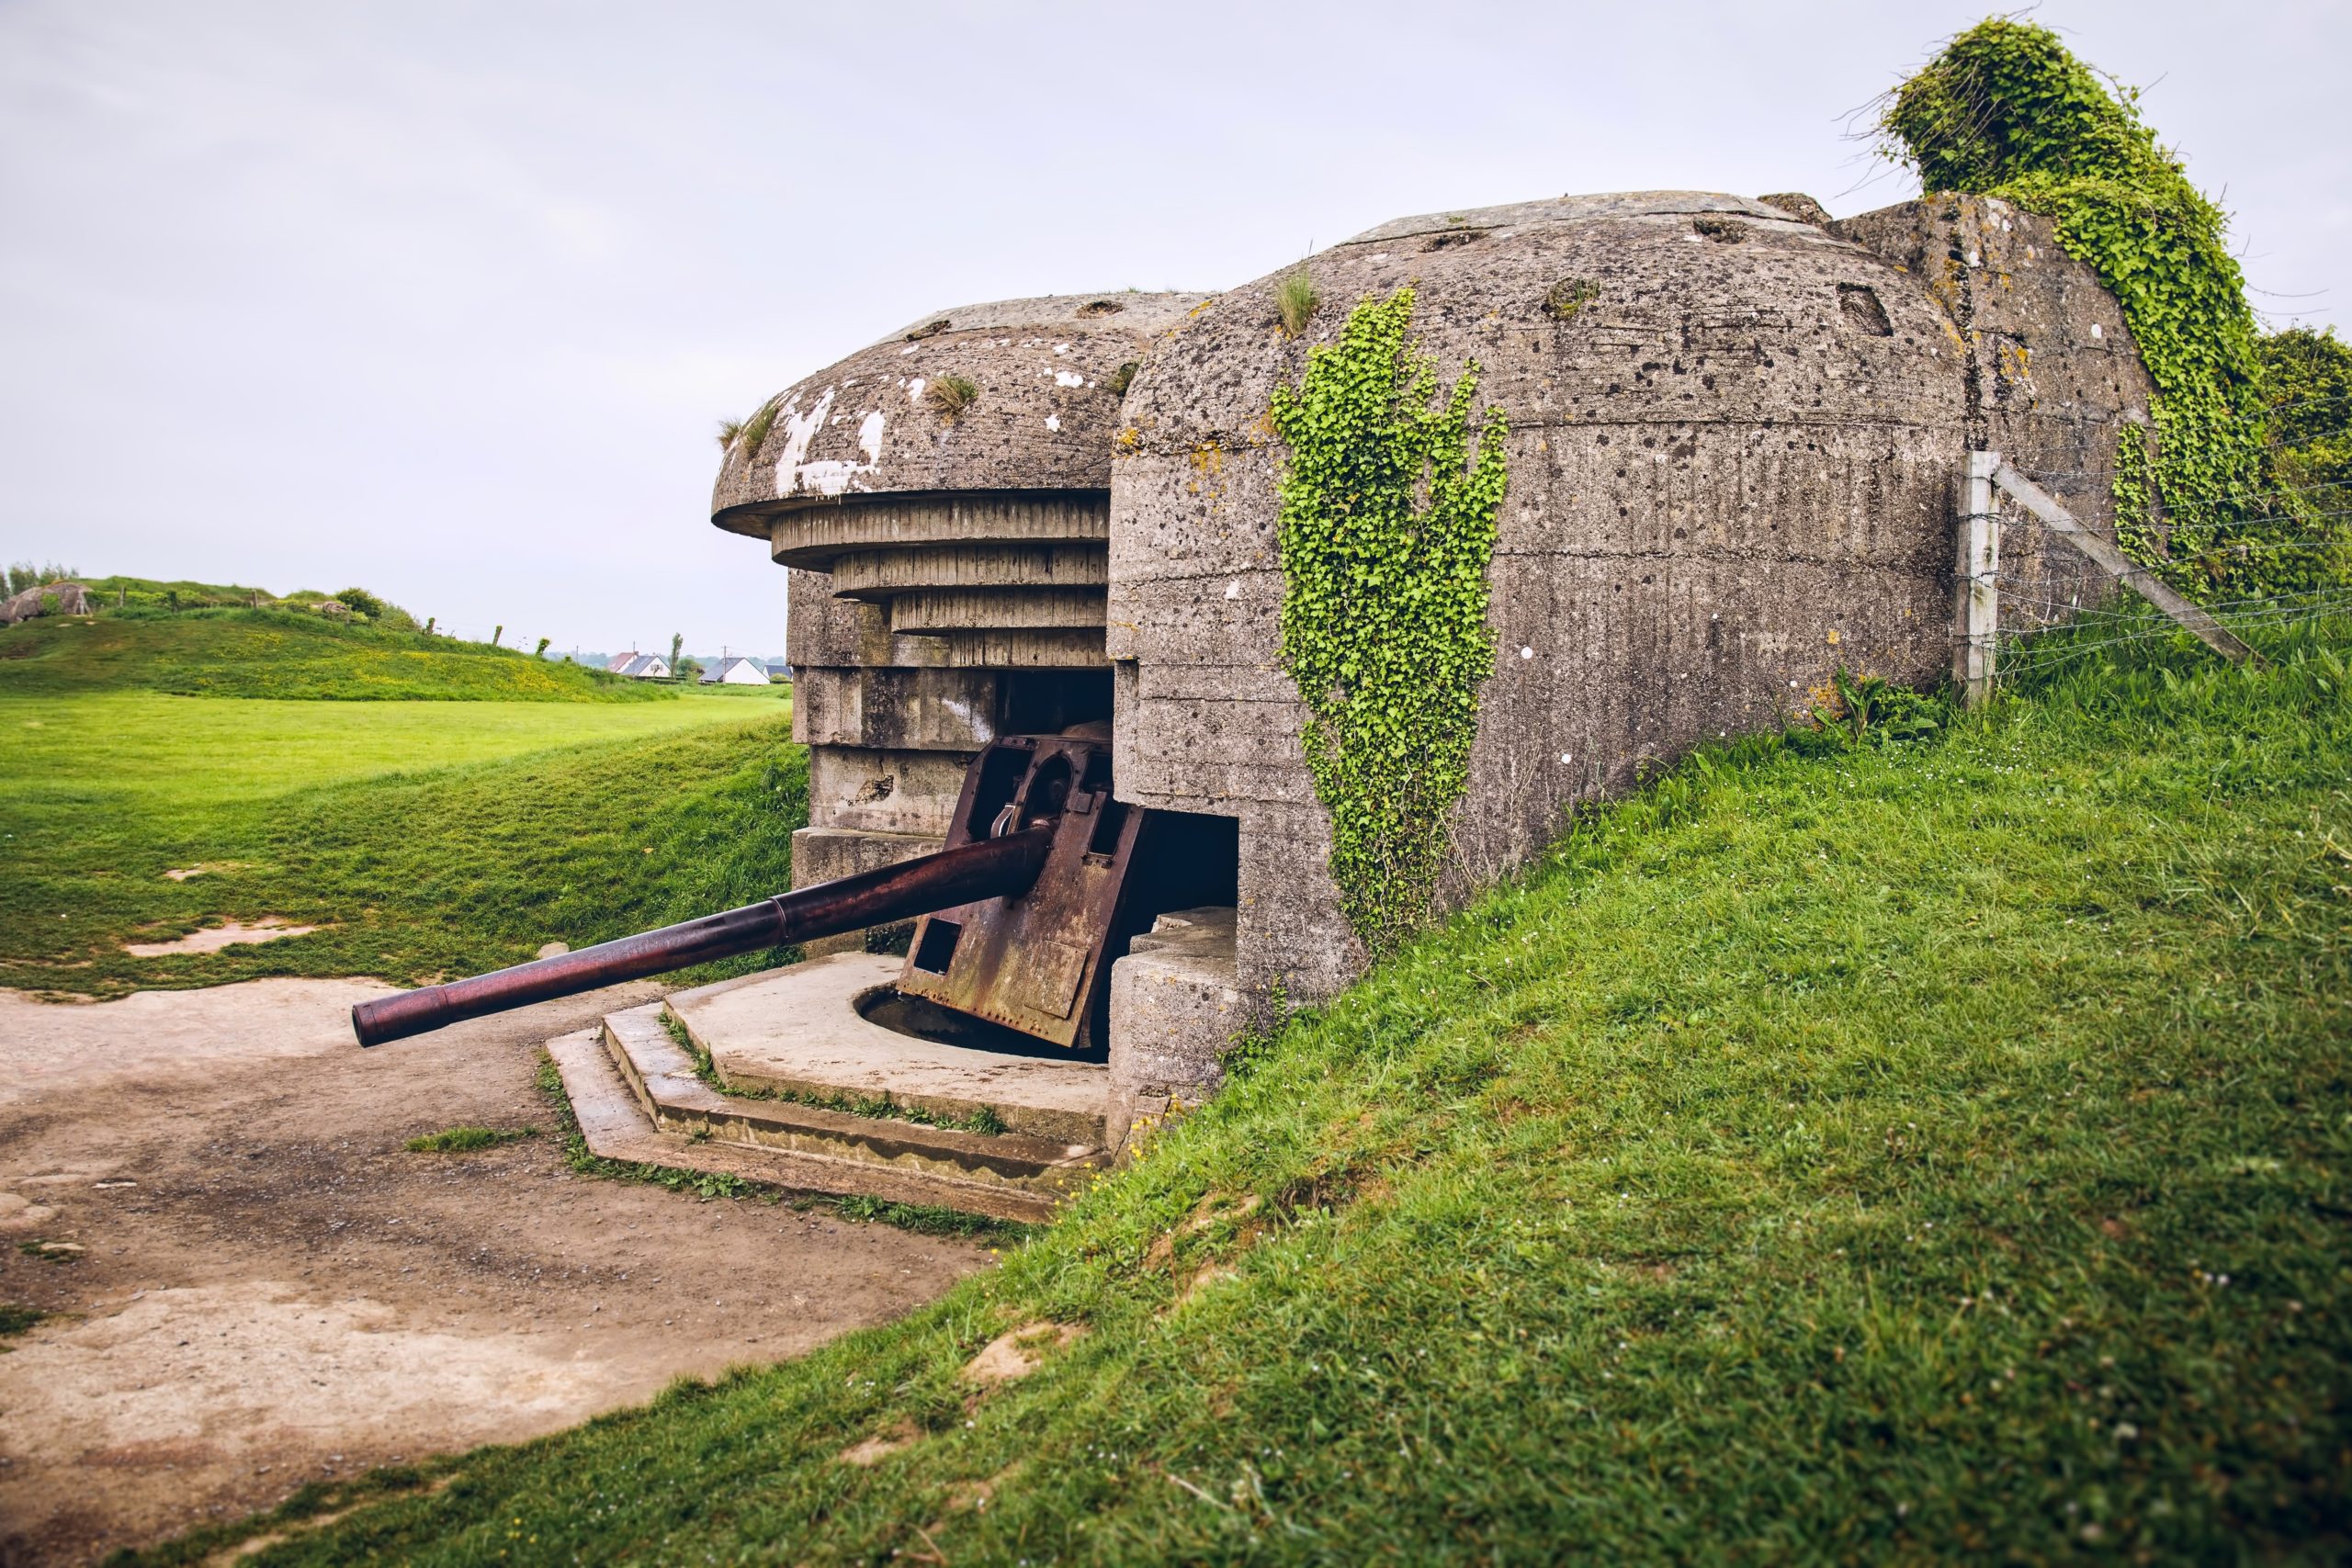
(1044, 880)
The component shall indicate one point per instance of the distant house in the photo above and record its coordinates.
(736, 671)
(640, 666)
(619, 662)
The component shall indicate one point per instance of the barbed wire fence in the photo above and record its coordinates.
(2012, 625)
(2073, 632)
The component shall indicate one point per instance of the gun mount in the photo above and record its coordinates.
(1043, 881)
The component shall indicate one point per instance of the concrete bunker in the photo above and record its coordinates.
(1063, 835)
(948, 556)
(948, 572)
(1735, 433)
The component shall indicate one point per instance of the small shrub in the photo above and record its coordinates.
(360, 602)
(1295, 299)
(465, 1140)
(14, 1319)
(24, 574)
(951, 395)
(541, 651)
(1867, 710)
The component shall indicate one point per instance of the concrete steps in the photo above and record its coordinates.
(638, 1096)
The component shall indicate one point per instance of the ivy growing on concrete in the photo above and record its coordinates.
(2005, 110)
(1387, 528)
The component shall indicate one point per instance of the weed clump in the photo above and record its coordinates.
(1867, 710)
(1568, 296)
(751, 433)
(1296, 297)
(48, 1251)
(465, 1140)
(951, 396)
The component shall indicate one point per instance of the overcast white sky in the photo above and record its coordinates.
(444, 300)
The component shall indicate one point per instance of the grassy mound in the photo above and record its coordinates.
(300, 811)
(1936, 1151)
(285, 654)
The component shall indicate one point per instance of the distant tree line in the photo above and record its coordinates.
(24, 574)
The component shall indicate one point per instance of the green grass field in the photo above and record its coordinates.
(424, 837)
(119, 752)
(545, 803)
(284, 654)
(1935, 1151)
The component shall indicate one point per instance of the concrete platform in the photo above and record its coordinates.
(679, 1099)
(779, 1041)
(615, 1118)
(798, 1030)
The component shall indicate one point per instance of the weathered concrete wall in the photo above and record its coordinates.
(2054, 375)
(1176, 1009)
(1732, 469)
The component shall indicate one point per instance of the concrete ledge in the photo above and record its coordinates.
(798, 1030)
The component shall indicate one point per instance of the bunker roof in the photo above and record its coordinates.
(1669, 306)
(1012, 395)
(1568, 209)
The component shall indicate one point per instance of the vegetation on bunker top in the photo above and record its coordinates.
(2210, 496)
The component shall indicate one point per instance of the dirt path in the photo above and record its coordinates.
(272, 1291)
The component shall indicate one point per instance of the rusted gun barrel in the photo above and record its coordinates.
(991, 868)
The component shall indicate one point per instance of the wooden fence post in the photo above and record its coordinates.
(1977, 615)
